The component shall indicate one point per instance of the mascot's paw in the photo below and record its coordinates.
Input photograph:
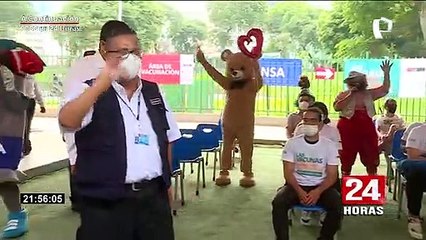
(223, 179)
(247, 181)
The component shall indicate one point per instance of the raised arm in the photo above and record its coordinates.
(377, 93)
(258, 76)
(212, 71)
(73, 113)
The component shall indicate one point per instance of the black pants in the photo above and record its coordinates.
(142, 215)
(74, 196)
(30, 115)
(287, 197)
(415, 174)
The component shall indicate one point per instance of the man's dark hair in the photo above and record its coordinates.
(324, 111)
(114, 28)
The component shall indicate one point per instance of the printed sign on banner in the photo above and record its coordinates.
(187, 69)
(371, 67)
(168, 69)
(280, 71)
(413, 78)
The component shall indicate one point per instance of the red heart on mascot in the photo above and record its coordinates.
(256, 51)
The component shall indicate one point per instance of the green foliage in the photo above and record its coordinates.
(11, 15)
(229, 16)
(145, 17)
(92, 15)
(346, 31)
(332, 28)
(293, 26)
(185, 36)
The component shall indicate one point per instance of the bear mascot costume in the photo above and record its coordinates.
(241, 82)
(15, 62)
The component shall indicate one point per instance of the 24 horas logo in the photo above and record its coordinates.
(363, 195)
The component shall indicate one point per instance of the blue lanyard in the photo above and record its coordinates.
(139, 105)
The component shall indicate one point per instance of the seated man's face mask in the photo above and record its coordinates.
(129, 67)
(309, 130)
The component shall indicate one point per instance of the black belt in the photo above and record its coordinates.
(144, 184)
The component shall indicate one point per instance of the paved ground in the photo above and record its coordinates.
(218, 213)
(48, 148)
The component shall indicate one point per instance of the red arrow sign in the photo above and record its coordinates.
(324, 73)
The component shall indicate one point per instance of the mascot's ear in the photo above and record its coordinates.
(225, 54)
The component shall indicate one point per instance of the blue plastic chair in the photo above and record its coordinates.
(208, 136)
(397, 155)
(177, 175)
(300, 207)
(187, 150)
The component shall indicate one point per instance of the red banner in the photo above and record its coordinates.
(162, 69)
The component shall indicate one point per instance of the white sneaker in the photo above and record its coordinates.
(323, 214)
(305, 218)
(415, 227)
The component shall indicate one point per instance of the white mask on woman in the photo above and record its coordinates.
(130, 67)
(303, 105)
(309, 130)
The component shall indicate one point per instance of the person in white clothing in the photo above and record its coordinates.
(33, 92)
(76, 76)
(310, 164)
(407, 132)
(327, 131)
(414, 171)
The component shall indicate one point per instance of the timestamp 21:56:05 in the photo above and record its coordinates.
(52, 28)
(42, 198)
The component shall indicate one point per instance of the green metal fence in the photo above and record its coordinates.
(204, 96)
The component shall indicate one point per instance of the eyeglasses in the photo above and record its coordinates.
(125, 53)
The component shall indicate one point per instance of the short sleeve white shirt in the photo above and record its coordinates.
(310, 160)
(417, 138)
(80, 71)
(143, 161)
(409, 128)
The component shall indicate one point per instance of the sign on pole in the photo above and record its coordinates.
(168, 68)
(324, 73)
(280, 71)
(413, 78)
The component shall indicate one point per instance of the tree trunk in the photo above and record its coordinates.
(422, 15)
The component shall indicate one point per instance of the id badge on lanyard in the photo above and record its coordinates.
(140, 137)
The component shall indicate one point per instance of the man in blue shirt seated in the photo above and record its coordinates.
(310, 170)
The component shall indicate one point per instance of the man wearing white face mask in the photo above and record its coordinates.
(122, 131)
(310, 164)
